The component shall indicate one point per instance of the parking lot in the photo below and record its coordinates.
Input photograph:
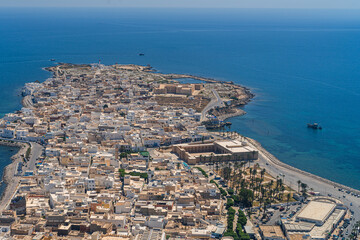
(275, 213)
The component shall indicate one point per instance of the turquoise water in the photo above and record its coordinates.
(302, 65)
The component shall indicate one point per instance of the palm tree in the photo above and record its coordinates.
(271, 194)
(262, 173)
(304, 187)
(299, 183)
(253, 175)
(287, 200)
(242, 164)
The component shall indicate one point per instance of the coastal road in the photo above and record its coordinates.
(291, 176)
(324, 188)
(36, 150)
(217, 102)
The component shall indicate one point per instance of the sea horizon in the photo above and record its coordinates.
(302, 67)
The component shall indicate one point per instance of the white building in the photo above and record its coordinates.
(90, 184)
(155, 222)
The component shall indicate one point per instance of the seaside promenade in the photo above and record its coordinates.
(10, 179)
(291, 175)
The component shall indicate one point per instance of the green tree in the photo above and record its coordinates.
(304, 187)
(246, 197)
(230, 191)
(229, 203)
(242, 218)
(287, 200)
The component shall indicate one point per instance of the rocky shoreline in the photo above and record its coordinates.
(238, 112)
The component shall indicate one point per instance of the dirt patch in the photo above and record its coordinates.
(197, 103)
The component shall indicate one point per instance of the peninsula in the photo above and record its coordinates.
(123, 152)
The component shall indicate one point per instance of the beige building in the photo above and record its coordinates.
(271, 233)
(182, 89)
(217, 151)
(316, 212)
(316, 219)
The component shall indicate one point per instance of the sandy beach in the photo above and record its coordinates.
(291, 175)
(9, 177)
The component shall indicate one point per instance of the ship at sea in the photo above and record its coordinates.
(314, 126)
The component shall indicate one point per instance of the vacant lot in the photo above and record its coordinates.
(196, 102)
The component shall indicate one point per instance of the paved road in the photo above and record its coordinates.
(291, 178)
(324, 187)
(36, 150)
(217, 102)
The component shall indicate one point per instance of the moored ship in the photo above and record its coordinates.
(314, 126)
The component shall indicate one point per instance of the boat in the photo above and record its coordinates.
(314, 126)
(141, 54)
(228, 124)
(52, 60)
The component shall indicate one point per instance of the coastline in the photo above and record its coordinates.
(238, 112)
(271, 158)
(274, 160)
(293, 177)
(9, 179)
(281, 164)
(9, 170)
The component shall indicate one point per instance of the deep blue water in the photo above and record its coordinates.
(303, 65)
(5, 159)
(189, 80)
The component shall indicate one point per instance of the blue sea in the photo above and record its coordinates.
(5, 159)
(303, 66)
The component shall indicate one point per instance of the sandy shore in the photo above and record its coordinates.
(271, 158)
(292, 175)
(9, 177)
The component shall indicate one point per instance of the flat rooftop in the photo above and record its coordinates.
(272, 232)
(316, 211)
(235, 146)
